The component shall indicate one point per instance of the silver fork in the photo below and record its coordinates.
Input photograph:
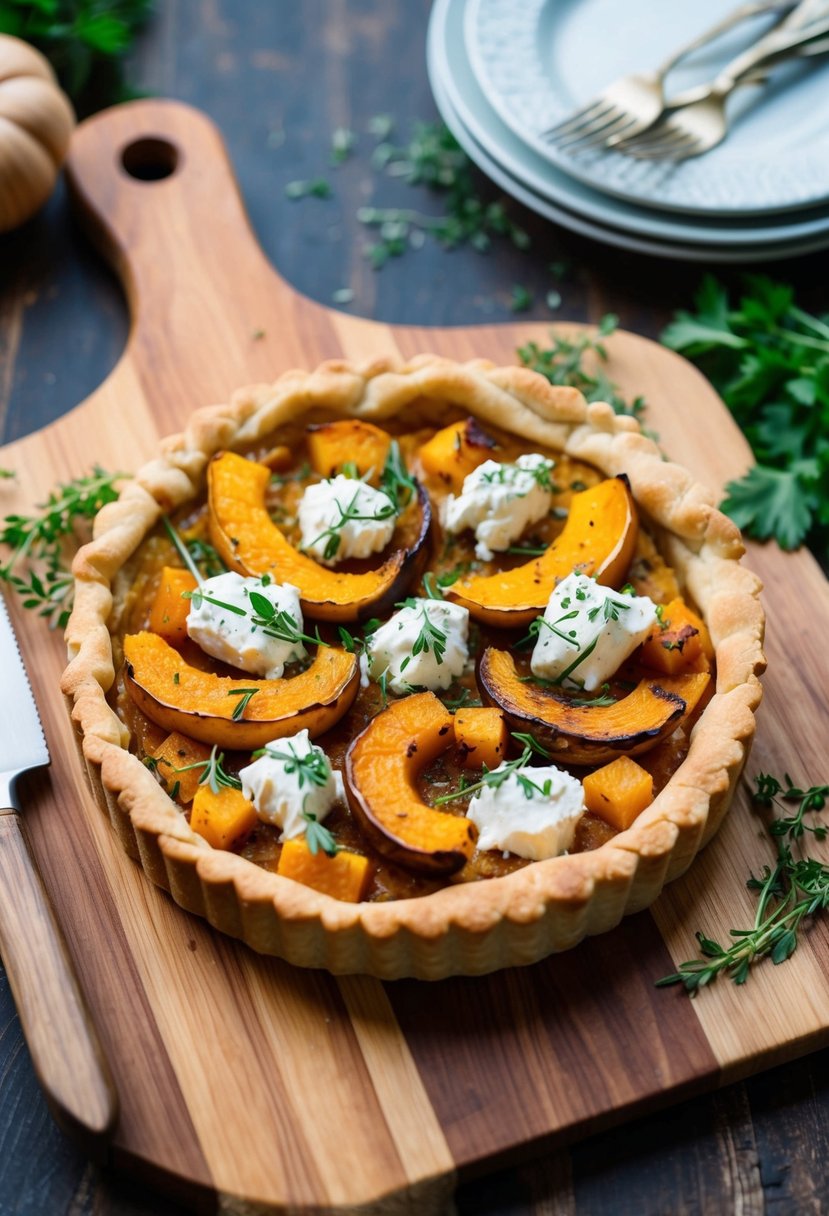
(698, 120)
(633, 103)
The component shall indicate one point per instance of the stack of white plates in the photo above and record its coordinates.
(504, 71)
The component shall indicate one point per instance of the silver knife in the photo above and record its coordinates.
(66, 1053)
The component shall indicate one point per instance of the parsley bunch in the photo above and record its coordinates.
(85, 41)
(769, 361)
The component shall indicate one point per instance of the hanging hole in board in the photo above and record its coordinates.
(150, 160)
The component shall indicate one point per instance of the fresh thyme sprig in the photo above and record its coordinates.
(431, 637)
(395, 480)
(317, 836)
(563, 363)
(244, 695)
(313, 767)
(184, 551)
(206, 557)
(213, 772)
(347, 514)
(46, 584)
(493, 778)
(789, 893)
(769, 789)
(274, 622)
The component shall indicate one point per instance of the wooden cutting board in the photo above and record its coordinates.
(243, 1080)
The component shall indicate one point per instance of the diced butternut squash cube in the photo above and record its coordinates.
(178, 752)
(456, 451)
(344, 876)
(679, 643)
(223, 818)
(618, 792)
(331, 445)
(481, 736)
(168, 614)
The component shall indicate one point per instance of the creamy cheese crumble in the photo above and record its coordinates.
(291, 782)
(343, 517)
(532, 813)
(587, 631)
(499, 501)
(423, 645)
(220, 621)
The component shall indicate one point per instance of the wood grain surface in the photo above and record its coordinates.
(213, 1047)
(62, 1040)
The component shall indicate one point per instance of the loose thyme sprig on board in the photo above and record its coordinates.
(38, 543)
(562, 363)
(789, 893)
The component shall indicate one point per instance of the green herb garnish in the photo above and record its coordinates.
(563, 362)
(46, 584)
(317, 836)
(493, 778)
(244, 695)
(789, 893)
(213, 773)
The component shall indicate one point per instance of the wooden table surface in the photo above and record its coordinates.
(278, 78)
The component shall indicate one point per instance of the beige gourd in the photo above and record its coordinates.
(36, 122)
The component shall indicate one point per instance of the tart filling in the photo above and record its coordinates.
(424, 807)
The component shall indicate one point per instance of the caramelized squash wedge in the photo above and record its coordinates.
(589, 734)
(381, 769)
(251, 543)
(598, 539)
(200, 704)
(348, 441)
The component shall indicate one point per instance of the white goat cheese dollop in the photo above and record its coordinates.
(291, 781)
(499, 501)
(343, 518)
(533, 813)
(231, 636)
(424, 645)
(588, 631)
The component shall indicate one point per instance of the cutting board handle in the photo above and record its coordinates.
(156, 192)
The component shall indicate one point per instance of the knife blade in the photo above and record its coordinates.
(66, 1053)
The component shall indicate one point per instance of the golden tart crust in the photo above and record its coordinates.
(465, 929)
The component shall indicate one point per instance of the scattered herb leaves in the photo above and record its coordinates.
(563, 363)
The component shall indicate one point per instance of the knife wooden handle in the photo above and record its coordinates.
(65, 1050)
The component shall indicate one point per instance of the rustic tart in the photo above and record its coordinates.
(413, 669)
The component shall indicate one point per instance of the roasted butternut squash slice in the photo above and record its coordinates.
(251, 543)
(200, 704)
(598, 539)
(331, 445)
(381, 769)
(589, 734)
